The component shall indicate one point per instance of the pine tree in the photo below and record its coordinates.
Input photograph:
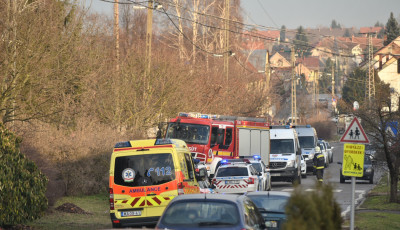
(283, 33)
(392, 29)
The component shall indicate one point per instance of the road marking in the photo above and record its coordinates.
(359, 191)
(356, 202)
(287, 190)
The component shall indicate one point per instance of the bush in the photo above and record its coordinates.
(22, 185)
(313, 210)
(325, 129)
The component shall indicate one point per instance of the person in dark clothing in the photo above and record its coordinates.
(319, 163)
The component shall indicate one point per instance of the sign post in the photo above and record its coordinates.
(353, 158)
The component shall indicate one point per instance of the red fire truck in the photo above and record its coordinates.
(219, 137)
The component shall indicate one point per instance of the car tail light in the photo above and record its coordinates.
(250, 180)
(111, 199)
(197, 170)
(180, 189)
(213, 181)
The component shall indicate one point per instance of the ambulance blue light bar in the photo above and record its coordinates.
(125, 144)
(257, 157)
(224, 162)
(164, 142)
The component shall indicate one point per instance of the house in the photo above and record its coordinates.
(370, 30)
(387, 62)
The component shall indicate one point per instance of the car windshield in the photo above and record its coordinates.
(270, 203)
(190, 133)
(232, 171)
(257, 166)
(144, 170)
(367, 160)
(321, 146)
(200, 213)
(306, 142)
(279, 146)
(369, 147)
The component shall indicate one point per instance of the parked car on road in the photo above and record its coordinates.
(368, 171)
(236, 177)
(259, 166)
(272, 206)
(211, 211)
(329, 149)
(322, 147)
(303, 167)
(370, 150)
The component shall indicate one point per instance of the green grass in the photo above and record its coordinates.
(97, 205)
(386, 215)
(377, 220)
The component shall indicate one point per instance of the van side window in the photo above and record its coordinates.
(189, 166)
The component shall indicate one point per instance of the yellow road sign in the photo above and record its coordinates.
(353, 160)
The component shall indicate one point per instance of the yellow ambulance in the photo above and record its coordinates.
(145, 175)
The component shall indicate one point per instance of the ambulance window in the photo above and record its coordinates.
(189, 166)
(144, 170)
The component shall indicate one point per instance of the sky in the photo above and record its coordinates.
(306, 13)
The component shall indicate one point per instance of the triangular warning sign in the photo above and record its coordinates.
(355, 133)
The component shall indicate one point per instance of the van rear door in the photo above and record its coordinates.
(143, 184)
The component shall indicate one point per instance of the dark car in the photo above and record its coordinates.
(272, 206)
(368, 171)
(211, 211)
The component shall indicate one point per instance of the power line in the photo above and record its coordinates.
(266, 12)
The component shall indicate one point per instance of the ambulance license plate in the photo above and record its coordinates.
(232, 182)
(131, 213)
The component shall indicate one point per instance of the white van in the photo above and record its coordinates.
(285, 154)
(308, 140)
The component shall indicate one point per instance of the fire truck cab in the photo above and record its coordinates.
(212, 138)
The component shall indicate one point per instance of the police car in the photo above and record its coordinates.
(236, 177)
(259, 166)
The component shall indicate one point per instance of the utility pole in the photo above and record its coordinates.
(294, 80)
(227, 53)
(333, 80)
(267, 70)
(149, 35)
(371, 80)
(116, 34)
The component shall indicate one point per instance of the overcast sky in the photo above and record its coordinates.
(306, 13)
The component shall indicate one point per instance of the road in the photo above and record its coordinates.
(342, 192)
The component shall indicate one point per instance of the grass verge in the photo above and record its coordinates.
(96, 205)
(376, 212)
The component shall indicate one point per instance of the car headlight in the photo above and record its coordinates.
(311, 156)
(271, 224)
(290, 163)
(368, 170)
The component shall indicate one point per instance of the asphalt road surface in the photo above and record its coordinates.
(342, 192)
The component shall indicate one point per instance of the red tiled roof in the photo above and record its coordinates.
(310, 62)
(270, 34)
(253, 45)
(364, 30)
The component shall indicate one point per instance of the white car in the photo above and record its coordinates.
(260, 167)
(236, 177)
(329, 149)
(303, 167)
(322, 147)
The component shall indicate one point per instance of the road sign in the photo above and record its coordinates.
(355, 133)
(353, 160)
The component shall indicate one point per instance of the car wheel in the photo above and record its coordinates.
(304, 175)
(116, 225)
(342, 180)
(371, 181)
